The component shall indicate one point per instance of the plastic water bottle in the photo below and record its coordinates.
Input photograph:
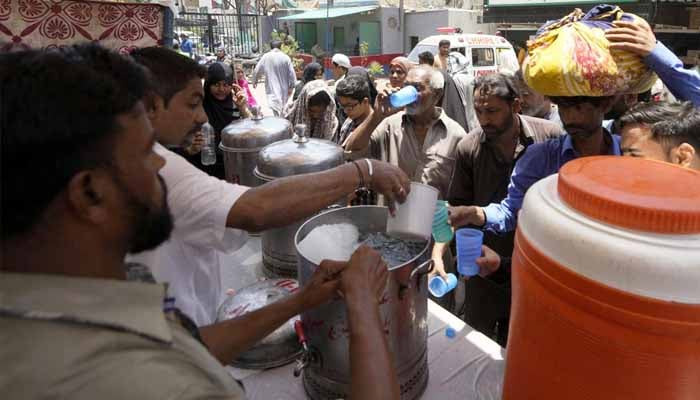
(404, 97)
(209, 147)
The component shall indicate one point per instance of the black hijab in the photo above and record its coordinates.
(219, 112)
(310, 72)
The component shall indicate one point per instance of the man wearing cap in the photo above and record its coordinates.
(279, 77)
(341, 65)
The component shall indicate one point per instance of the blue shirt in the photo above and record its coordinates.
(683, 83)
(186, 46)
(539, 161)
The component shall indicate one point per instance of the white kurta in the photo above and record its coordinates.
(188, 261)
(279, 78)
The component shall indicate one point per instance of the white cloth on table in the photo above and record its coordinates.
(279, 78)
(188, 261)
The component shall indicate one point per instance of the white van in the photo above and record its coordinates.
(484, 54)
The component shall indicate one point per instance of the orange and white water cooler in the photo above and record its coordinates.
(606, 284)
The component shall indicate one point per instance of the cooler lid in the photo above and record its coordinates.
(633, 193)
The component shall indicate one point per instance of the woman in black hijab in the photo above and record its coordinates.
(221, 109)
(312, 72)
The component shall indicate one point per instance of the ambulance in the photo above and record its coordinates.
(474, 54)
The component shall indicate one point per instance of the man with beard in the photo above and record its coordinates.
(422, 140)
(80, 189)
(485, 159)
(214, 216)
(585, 136)
(534, 104)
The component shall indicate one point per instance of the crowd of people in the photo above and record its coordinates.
(98, 212)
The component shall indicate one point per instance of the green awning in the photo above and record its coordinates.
(332, 13)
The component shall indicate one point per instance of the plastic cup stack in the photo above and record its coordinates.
(442, 231)
(468, 250)
(439, 286)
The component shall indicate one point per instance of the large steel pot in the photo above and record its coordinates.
(404, 310)
(279, 347)
(242, 140)
(295, 156)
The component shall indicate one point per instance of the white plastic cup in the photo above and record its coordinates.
(413, 219)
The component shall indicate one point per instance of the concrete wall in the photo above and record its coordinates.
(469, 22)
(423, 24)
(350, 25)
(392, 37)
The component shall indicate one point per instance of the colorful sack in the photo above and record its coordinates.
(570, 57)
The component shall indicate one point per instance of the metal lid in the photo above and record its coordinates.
(252, 134)
(298, 155)
(281, 346)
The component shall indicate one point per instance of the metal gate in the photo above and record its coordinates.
(237, 33)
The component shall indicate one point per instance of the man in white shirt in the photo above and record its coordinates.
(212, 215)
(279, 77)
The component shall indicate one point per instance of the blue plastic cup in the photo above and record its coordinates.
(439, 286)
(442, 231)
(403, 97)
(468, 250)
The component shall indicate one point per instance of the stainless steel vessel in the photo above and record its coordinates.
(404, 310)
(242, 140)
(295, 156)
(278, 348)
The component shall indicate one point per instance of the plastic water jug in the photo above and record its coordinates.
(606, 284)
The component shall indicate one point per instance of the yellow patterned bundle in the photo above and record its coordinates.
(571, 57)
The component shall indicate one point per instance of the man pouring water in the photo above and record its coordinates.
(212, 215)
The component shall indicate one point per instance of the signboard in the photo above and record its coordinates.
(525, 3)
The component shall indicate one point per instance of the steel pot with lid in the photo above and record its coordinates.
(295, 156)
(403, 310)
(278, 348)
(242, 140)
